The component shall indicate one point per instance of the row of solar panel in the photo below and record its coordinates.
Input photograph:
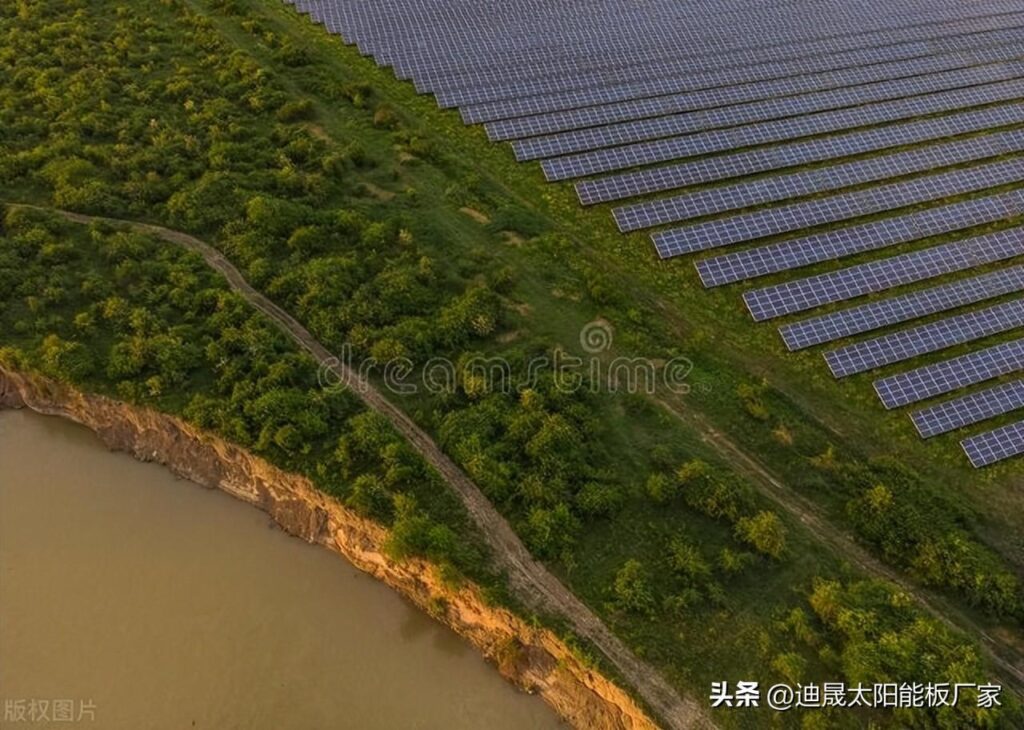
(965, 43)
(474, 67)
(969, 409)
(531, 106)
(879, 275)
(385, 29)
(834, 209)
(946, 376)
(766, 109)
(649, 38)
(895, 310)
(448, 52)
(442, 33)
(853, 240)
(727, 198)
(895, 347)
(723, 167)
(489, 103)
(994, 446)
(609, 113)
(682, 75)
(782, 130)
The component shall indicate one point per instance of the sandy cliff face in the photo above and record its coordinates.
(532, 658)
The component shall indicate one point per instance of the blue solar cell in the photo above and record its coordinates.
(645, 77)
(994, 446)
(969, 409)
(836, 244)
(932, 337)
(721, 140)
(722, 167)
(929, 381)
(765, 109)
(495, 101)
(833, 209)
(916, 304)
(808, 182)
(874, 276)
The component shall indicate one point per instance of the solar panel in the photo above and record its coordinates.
(542, 24)
(711, 115)
(720, 70)
(932, 337)
(875, 276)
(842, 242)
(916, 304)
(844, 206)
(479, 106)
(808, 182)
(694, 93)
(969, 409)
(994, 446)
(445, 39)
(722, 167)
(929, 381)
(720, 140)
(521, 56)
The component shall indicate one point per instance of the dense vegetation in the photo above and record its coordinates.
(370, 231)
(122, 314)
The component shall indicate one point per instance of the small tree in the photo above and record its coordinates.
(687, 561)
(632, 588)
(764, 531)
(660, 488)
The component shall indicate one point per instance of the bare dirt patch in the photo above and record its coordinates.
(475, 215)
(377, 191)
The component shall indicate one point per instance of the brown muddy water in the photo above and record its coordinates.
(142, 601)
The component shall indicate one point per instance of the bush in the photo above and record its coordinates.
(632, 588)
(765, 532)
(295, 111)
(599, 499)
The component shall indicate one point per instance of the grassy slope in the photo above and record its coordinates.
(712, 327)
(674, 311)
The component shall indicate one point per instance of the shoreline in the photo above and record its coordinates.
(534, 659)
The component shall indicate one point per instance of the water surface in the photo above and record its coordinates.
(153, 603)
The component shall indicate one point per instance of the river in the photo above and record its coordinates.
(138, 600)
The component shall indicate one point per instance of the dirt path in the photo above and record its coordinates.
(531, 580)
(817, 523)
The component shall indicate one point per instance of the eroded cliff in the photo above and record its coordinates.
(534, 659)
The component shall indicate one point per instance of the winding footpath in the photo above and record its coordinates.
(531, 580)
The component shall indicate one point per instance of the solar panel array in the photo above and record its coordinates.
(822, 149)
(778, 130)
(722, 199)
(796, 253)
(764, 138)
(711, 114)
